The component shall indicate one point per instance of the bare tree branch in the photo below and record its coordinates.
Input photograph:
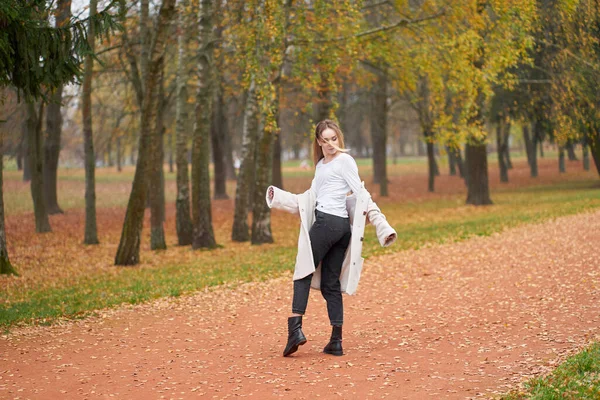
(133, 67)
(573, 55)
(401, 23)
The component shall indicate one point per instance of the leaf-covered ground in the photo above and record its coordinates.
(455, 321)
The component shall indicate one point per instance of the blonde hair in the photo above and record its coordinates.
(319, 128)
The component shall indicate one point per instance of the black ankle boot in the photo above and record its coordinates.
(295, 336)
(335, 343)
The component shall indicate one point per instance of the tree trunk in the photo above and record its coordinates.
(402, 142)
(227, 148)
(478, 191)
(261, 213)
(245, 178)
(132, 159)
(296, 149)
(171, 158)
(268, 135)
(459, 163)
(571, 151)
(119, 154)
(233, 127)
(594, 143)
(507, 158)
(585, 153)
(531, 148)
(379, 134)
(361, 147)
(528, 143)
(19, 154)
(451, 160)
(455, 161)
(506, 139)
(25, 151)
(54, 126)
(277, 177)
(91, 230)
(52, 151)
(324, 106)
(217, 131)
(430, 164)
(561, 159)
(34, 129)
(182, 204)
(203, 236)
(144, 39)
(436, 169)
(534, 143)
(128, 252)
(157, 188)
(500, 149)
(109, 158)
(6, 267)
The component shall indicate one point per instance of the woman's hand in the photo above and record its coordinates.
(271, 193)
(390, 239)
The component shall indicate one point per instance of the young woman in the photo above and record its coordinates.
(331, 233)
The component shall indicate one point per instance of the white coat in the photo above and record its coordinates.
(359, 206)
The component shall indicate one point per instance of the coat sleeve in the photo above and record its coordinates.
(382, 228)
(282, 200)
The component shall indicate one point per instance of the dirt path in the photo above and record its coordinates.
(455, 321)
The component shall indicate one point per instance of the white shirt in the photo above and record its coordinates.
(333, 181)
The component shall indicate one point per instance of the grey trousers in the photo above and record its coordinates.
(329, 237)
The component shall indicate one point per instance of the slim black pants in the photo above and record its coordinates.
(329, 237)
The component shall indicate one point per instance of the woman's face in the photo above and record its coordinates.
(328, 136)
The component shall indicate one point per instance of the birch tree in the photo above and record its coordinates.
(218, 130)
(273, 34)
(245, 180)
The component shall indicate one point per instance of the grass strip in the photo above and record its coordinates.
(577, 378)
(138, 285)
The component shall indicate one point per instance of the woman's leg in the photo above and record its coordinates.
(331, 290)
(330, 280)
(301, 292)
(321, 240)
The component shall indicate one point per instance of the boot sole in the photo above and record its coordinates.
(334, 353)
(294, 348)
